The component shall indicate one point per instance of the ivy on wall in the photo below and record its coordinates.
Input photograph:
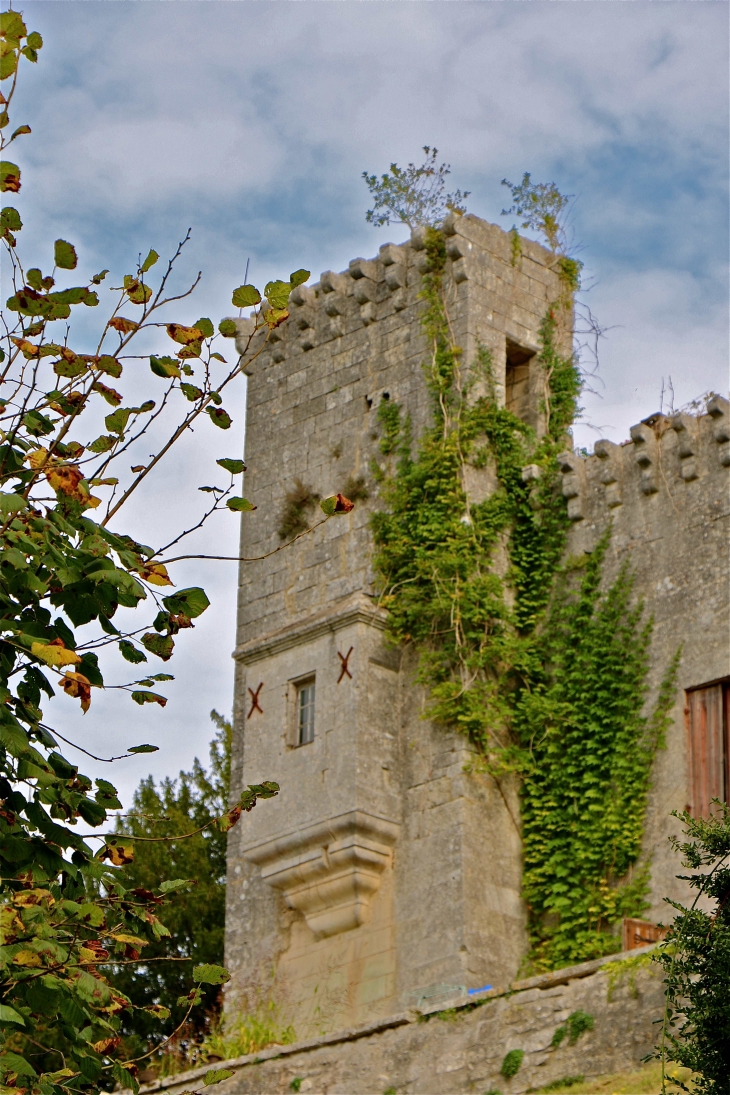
(542, 671)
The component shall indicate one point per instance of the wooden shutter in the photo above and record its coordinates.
(707, 748)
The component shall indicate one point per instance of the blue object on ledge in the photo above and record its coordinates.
(473, 992)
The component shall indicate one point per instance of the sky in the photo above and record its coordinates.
(251, 123)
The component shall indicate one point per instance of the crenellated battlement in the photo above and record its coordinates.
(670, 461)
(479, 257)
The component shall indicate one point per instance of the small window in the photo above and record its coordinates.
(305, 712)
(517, 381)
(708, 731)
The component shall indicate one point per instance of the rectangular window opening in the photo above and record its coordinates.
(707, 715)
(517, 381)
(305, 712)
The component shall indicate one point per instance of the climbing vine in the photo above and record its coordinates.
(540, 668)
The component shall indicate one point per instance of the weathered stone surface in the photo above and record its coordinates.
(462, 1049)
(427, 891)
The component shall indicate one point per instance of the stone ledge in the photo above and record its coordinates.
(357, 609)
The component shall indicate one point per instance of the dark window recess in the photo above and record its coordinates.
(517, 381)
(708, 731)
(305, 713)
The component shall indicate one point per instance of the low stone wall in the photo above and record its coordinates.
(461, 1048)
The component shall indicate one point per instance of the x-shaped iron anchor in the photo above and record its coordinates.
(344, 659)
(255, 705)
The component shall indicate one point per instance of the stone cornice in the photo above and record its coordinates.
(357, 609)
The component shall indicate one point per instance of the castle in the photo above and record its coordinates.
(387, 870)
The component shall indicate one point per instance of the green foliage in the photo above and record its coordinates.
(566, 1081)
(69, 914)
(590, 754)
(511, 1063)
(542, 208)
(298, 504)
(696, 959)
(172, 809)
(578, 1022)
(296, 1083)
(540, 667)
(625, 968)
(413, 195)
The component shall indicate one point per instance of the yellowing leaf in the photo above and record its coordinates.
(137, 291)
(184, 335)
(27, 958)
(53, 654)
(156, 574)
(132, 940)
(124, 326)
(78, 687)
(118, 854)
(27, 898)
(37, 458)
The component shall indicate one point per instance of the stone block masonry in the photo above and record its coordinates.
(387, 869)
(382, 867)
(462, 1048)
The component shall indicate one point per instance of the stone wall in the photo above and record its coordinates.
(462, 1048)
(382, 867)
(664, 492)
(385, 868)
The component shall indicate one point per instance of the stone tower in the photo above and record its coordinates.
(382, 869)
(386, 871)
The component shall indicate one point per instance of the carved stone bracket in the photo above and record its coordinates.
(331, 870)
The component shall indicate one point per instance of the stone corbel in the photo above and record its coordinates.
(329, 871)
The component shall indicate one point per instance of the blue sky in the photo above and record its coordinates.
(251, 122)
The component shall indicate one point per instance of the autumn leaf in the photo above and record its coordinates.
(155, 573)
(77, 686)
(65, 478)
(118, 854)
(9, 175)
(27, 958)
(160, 645)
(220, 417)
(55, 653)
(124, 326)
(142, 698)
(337, 503)
(109, 365)
(149, 262)
(111, 395)
(136, 290)
(240, 505)
(191, 602)
(275, 317)
(184, 335)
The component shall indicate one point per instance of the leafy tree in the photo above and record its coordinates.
(542, 208)
(159, 814)
(68, 912)
(696, 959)
(413, 195)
